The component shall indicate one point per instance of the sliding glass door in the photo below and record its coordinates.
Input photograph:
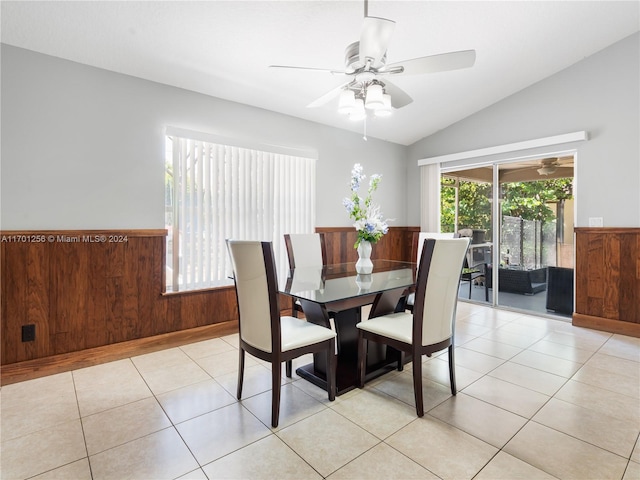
(519, 216)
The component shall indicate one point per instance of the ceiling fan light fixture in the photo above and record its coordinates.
(347, 102)
(366, 65)
(358, 112)
(385, 110)
(374, 99)
(547, 170)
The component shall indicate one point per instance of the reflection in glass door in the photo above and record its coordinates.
(532, 240)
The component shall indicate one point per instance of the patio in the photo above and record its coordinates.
(536, 303)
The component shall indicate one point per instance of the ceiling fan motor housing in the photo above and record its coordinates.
(352, 59)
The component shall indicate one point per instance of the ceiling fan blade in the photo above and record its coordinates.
(333, 72)
(374, 39)
(435, 63)
(327, 97)
(399, 98)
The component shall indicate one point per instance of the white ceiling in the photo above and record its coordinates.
(223, 48)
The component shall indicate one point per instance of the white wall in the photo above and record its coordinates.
(600, 94)
(82, 148)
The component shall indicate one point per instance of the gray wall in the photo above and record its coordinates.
(600, 94)
(83, 148)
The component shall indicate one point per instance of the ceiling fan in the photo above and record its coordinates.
(528, 171)
(368, 71)
(548, 166)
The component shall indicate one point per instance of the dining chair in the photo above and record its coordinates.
(416, 252)
(431, 326)
(263, 332)
(305, 250)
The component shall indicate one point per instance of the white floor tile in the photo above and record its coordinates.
(335, 441)
(604, 431)
(487, 422)
(221, 432)
(537, 399)
(41, 451)
(161, 455)
(443, 449)
(511, 397)
(564, 456)
(269, 458)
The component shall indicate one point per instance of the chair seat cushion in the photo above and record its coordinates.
(398, 326)
(296, 333)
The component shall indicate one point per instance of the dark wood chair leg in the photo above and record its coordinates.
(240, 373)
(288, 367)
(470, 285)
(362, 358)
(401, 362)
(452, 370)
(417, 383)
(402, 304)
(331, 371)
(275, 393)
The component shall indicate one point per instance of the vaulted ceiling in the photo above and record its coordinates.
(224, 48)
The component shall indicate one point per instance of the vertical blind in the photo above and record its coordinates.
(430, 198)
(217, 191)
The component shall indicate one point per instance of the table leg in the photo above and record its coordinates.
(380, 358)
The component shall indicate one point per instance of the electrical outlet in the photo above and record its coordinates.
(28, 333)
(596, 222)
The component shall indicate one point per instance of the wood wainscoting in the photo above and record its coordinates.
(608, 279)
(95, 295)
(86, 289)
(395, 245)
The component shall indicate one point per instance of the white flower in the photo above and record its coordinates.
(368, 218)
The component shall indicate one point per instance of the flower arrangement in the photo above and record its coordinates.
(367, 216)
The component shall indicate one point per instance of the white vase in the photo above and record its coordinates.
(364, 263)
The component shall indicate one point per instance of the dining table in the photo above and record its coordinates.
(334, 296)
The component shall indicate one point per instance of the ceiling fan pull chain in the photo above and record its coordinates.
(365, 128)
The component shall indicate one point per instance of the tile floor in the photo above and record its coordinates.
(538, 399)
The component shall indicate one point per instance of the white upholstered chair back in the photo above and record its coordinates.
(306, 249)
(422, 236)
(250, 261)
(441, 289)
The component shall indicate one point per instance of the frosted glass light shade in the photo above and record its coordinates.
(347, 102)
(374, 97)
(385, 110)
(358, 112)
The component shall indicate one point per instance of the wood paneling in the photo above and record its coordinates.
(395, 245)
(27, 370)
(608, 279)
(83, 294)
(83, 291)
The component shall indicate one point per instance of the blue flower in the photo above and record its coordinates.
(348, 204)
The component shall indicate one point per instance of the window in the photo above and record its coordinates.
(215, 191)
